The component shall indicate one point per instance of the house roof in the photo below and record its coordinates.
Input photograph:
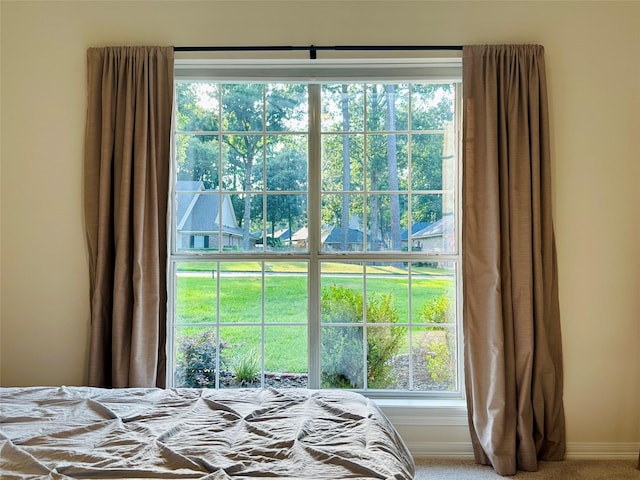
(282, 234)
(444, 226)
(186, 193)
(199, 210)
(303, 234)
(335, 236)
(416, 227)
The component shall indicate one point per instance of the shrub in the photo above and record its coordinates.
(441, 362)
(341, 347)
(196, 360)
(440, 344)
(439, 310)
(247, 367)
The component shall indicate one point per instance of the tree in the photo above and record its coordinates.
(197, 154)
(243, 110)
(342, 110)
(346, 170)
(392, 165)
(247, 110)
(385, 163)
(237, 115)
(433, 111)
(286, 170)
(374, 168)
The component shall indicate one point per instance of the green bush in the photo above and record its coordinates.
(439, 310)
(196, 360)
(441, 362)
(342, 348)
(247, 367)
(440, 357)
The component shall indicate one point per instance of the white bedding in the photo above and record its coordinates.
(82, 432)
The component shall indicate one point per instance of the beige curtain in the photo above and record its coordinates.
(513, 352)
(127, 160)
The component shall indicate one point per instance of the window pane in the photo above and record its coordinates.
(337, 209)
(287, 107)
(205, 220)
(196, 292)
(242, 162)
(433, 293)
(434, 359)
(197, 107)
(431, 231)
(241, 357)
(432, 106)
(196, 357)
(242, 107)
(245, 233)
(387, 162)
(387, 349)
(285, 292)
(386, 221)
(287, 162)
(197, 160)
(286, 222)
(342, 107)
(427, 161)
(286, 361)
(342, 356)
(240, 292)
(338, 173)
(341, 275)
(387, 285)
(387, 107)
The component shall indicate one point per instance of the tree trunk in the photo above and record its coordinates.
(346, 171)
(246, 216)
(374, 200)
(392, 165)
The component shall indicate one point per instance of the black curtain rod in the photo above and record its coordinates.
(313, 49)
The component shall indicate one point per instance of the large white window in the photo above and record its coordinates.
(315, 227)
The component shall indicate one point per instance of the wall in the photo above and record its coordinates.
(592, 51)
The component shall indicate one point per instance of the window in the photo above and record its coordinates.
(315, 227)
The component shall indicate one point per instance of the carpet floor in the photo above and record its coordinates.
(447, 469)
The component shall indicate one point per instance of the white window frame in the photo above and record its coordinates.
(315, 72)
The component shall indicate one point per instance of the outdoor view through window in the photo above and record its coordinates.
(315, 236)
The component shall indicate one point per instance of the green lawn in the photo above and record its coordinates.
(285, 302)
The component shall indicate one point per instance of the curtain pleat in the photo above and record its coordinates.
(126, 170)
(513, 351)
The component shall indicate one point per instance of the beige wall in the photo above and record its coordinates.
(593, 62)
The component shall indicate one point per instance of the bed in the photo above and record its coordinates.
(84, 432)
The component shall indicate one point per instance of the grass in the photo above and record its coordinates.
(301, 267)
(285, 346)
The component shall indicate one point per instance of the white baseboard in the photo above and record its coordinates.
(602, 451)
(575, 451)
(459, 450)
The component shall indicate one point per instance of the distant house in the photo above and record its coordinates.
(331, 239)
(283, 234)
(436, 237)
(415, 228)
(205, 218)
(300, 238)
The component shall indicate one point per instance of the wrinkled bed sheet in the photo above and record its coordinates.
(83, 432)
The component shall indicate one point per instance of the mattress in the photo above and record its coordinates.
(84, 432)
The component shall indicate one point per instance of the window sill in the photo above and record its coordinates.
(424, 412)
